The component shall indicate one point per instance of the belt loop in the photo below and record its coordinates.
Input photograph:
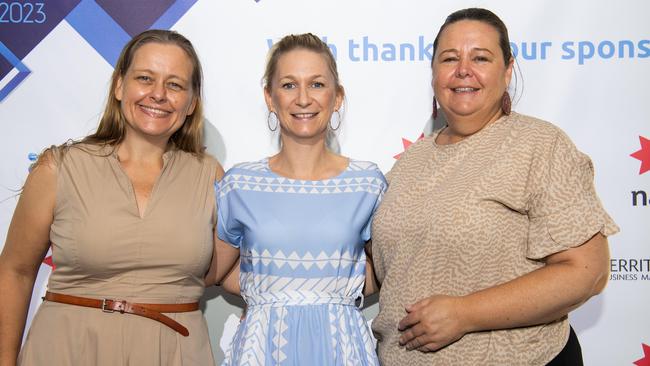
(361, 304)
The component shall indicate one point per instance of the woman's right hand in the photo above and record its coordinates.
(432, 323)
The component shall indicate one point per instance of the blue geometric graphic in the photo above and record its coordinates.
(98, 29)
(106, 25)
(23, 71)
(24, 25)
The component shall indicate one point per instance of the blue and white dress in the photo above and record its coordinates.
(302, 263)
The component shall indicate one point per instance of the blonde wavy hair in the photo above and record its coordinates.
(112, 125)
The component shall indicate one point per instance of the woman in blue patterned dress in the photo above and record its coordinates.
(301, 220)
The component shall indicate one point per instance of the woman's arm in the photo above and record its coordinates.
(231, 282)
(568, 279)
(27, 242)
(223, 258)
(224, 255)
(371, 285)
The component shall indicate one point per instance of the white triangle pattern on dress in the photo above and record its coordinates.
(367, 339)
(263, 288)
(344, 334)
(254, 340)
(254, 332)
(279, 341)
(307, 261)
(280, 185)
(334, 331)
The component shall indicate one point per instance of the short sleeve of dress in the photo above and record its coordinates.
(228, 228)
(378, 188)
(564, 209)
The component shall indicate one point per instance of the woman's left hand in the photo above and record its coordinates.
(432, 323)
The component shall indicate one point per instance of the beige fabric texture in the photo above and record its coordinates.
(471, 215)
(103, 249)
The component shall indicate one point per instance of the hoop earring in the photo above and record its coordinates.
(506, 103)
(434, 112)
(338, 119)
(272, 121)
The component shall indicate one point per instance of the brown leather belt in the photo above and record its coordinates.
(151, 311)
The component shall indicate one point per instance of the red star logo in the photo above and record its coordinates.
(406, 143)
(645, 361)
(643, 155)
(48, 261)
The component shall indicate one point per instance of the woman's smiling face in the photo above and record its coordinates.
(156, 92)
(469, 72)
(303, 93)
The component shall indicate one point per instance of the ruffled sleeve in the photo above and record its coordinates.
(564, 209)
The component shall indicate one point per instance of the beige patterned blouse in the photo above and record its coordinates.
(471, 215)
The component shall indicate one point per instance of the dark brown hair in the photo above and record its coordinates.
(481, 15)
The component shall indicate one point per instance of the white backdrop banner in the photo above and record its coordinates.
(582, 65)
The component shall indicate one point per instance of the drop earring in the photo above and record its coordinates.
(434, 112)
(506, 103)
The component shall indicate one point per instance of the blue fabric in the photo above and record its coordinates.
(302, 263)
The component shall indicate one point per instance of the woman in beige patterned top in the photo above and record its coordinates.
(491, 231)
